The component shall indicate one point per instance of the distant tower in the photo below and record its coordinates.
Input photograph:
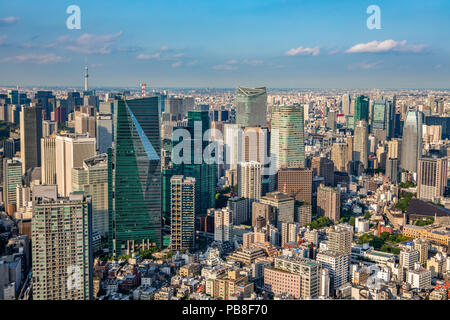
(143, 87)
(86, 76)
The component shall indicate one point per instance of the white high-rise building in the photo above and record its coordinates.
(223, 222)
(71, 151)
(337, 265)
(249, 181)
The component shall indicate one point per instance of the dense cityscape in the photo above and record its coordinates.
(224, 194)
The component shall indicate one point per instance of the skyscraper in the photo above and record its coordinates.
(104, 132)
(12, 176)
(70, 152)
(48, 160)
(62, 248)
(361, 109)
(182, 217)
(431, 177)
(30, 137)
(249, 180)
(134, 170)
(360, 144)
(296, 182)
(288, 136)
(223, 222)
(92, 178)
(345, 104)
(412, 141)
(329, 203)
(251, 107)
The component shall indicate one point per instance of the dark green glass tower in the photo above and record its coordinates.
(205, 174)
(361, 109)
(135, 175)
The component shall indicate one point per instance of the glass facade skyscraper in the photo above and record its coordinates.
(251, 107)
(288, 143)
(205, 173)
(134, 169)
(361, 109)
(412, 141)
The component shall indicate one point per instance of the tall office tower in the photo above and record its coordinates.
(324, 283)
(337, 265)
(422, 246)
(13, 96)
(306, 108)
(255, 145)
(10, 147)
(361, 109)
(60, 115)
(431, 177)
(106, 107)
(70, 152)
(92, 178)
(249, 181)
(30, 137)
(288, 136)
(412, 141)
(408, 258)
(339, 156)
(73, 100)
(85, 124)
(394, 149)
(329, 202)
(360, 145)
(48, 160)
(46, 100)
(12, 176)
(282, 206)
(174, 108)
(134, 170)
(381, 120)
(265, 211)
(392, 170)
(345, 104)
(251, 107)
(49, 127)
(223, 223)
(182, 213)
(104, 132)
(62, 248)
(323, 167)
(232, 135)
(189, 105)
(331, 120)
(340, 239)
(296, 183)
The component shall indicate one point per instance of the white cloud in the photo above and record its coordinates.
(164, 48)
(92, 43)
(253, 62)
(386, 46)
(36, 59)
(142, 56)
(8, 21)
(303, 51)
(176, 64)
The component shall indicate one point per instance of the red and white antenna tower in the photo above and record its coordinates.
(143, 88)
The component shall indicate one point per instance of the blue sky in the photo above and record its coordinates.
(218, 43)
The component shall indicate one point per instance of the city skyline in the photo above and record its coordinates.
(241, 45)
